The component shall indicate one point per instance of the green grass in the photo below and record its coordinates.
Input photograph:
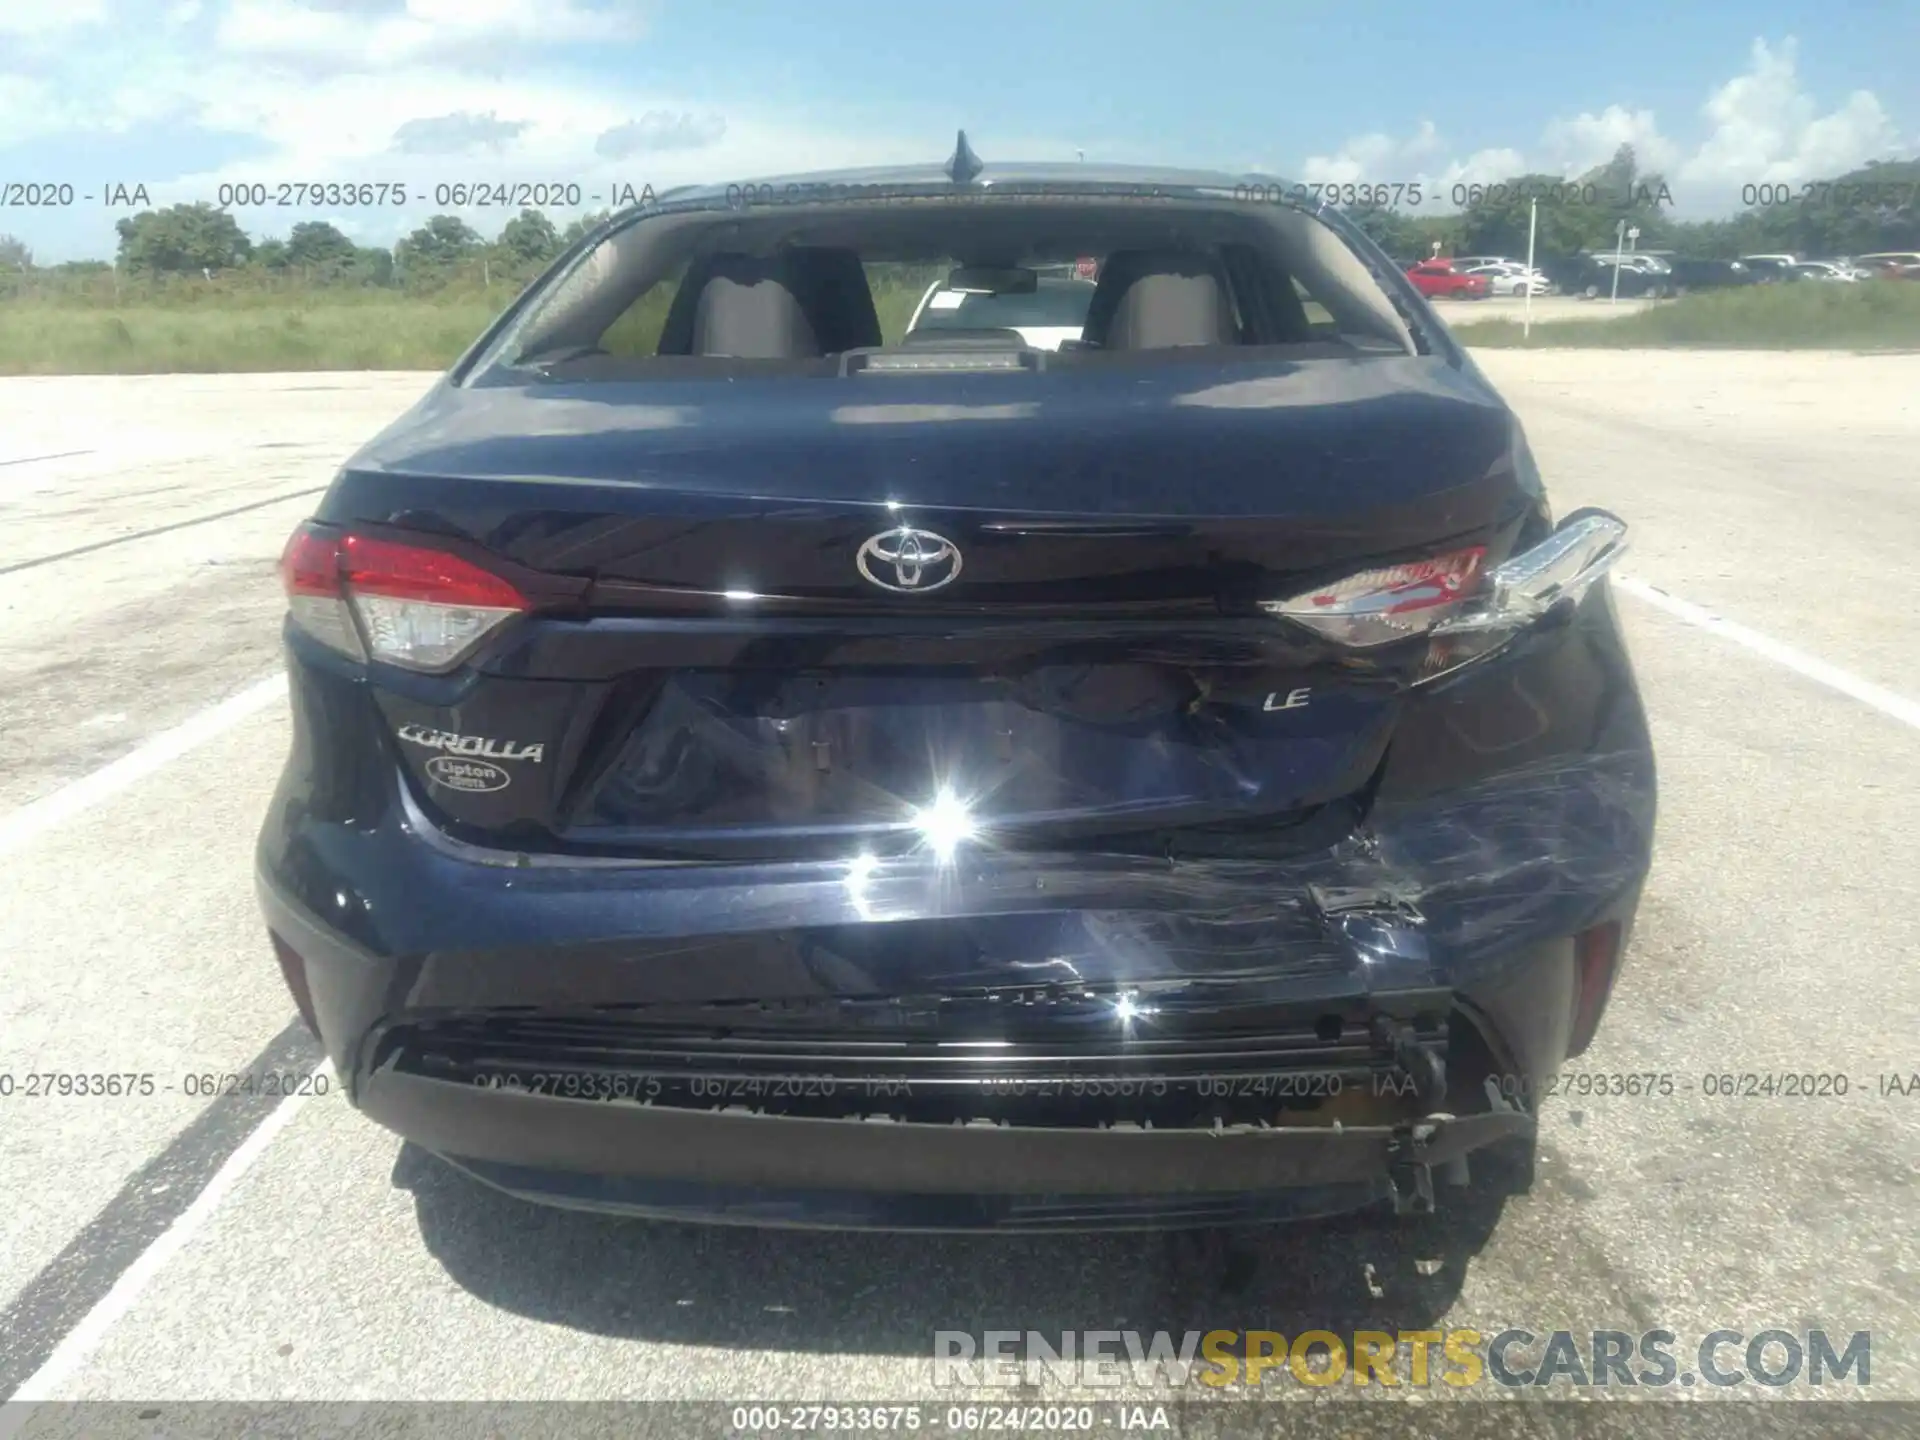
(333, 333)
(187, 331)
(1809, 315)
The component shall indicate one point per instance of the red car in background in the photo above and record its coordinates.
(1437, 279)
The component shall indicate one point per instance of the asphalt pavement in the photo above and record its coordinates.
(163, 1247)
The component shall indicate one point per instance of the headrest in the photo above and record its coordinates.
(747, 309)
(1176, 300)
(1156, 299)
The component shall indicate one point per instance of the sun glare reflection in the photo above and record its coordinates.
(942, 826)
(859, 871)
(1126, 1010)
(945, 824)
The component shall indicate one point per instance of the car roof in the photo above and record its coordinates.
(1073, 175)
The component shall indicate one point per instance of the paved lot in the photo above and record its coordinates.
(139, 522)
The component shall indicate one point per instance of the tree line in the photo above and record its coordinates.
(200, 241)
(1870, 209)
(1874, 208)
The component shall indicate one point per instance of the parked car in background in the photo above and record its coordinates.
(1826, 270)
(1592, 276)
(1891, 264)
(1439, 280)
(1771, 269)
(1710, 275)
(1509, 277)
(1045, 310)
(1477, 262)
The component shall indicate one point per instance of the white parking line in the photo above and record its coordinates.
(1887, 702)
(85, 1338)
(36, 459)
(35, 818)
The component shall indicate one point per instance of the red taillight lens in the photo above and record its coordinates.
(1596, 961)
(1394, 602)
(419, 608)
(310, 565)
(433, 577)
(310, 571)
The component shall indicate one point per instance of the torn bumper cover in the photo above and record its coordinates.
(755, 1168)
(809, 1043)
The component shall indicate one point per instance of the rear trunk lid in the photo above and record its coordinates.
(832, 616)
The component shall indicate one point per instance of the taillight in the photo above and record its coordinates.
(310, 571)
(1467, 614)
(416, 607)
(1596, 959)
(423, 609)
(1394, 602)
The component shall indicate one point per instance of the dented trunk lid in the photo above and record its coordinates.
(752, 667)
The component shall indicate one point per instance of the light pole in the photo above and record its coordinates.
(1533, 224)
(1619, 253)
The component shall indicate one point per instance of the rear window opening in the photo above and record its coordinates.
(794, 290)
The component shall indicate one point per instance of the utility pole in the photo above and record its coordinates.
(1533, 225)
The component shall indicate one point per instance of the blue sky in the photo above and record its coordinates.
(183, 95)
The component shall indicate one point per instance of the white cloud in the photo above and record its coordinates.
(36, 19)
(660, 130)
(425, 126)
(1423, 157)
(1481, 166)
(456, 134)
(336, 35)
(1766, 127)
(406, 92)
(1575, 146)
(1761, 125)
(1376, 158)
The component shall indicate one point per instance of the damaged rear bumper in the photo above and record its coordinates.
(747, 1168)
(500, 1008)
(718, 1042)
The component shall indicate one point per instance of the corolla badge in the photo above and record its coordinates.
(909, 559)
(481, 746)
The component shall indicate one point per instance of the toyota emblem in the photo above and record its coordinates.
(909, 560)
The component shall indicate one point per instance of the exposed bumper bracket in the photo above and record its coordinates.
(1422, 1063)
(1409, 1174)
